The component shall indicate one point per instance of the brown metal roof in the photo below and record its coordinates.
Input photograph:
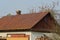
(23, 21)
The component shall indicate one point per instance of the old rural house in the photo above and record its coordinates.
(26, 26)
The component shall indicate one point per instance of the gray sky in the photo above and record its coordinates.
(10, 6)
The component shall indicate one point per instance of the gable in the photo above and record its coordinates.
(47, 24)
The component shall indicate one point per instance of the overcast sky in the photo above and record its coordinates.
(10, 6)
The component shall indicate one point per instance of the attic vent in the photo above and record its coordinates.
(18, 12)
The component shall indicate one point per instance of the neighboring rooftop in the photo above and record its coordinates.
(22, 21)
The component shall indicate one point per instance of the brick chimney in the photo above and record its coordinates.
(18, 12)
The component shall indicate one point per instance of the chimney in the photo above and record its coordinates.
(18, 12)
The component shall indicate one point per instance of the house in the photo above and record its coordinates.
(26, 26)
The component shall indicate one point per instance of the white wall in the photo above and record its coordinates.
(35, 35)
(4, 34)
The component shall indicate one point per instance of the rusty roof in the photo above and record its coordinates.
(23, 21)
